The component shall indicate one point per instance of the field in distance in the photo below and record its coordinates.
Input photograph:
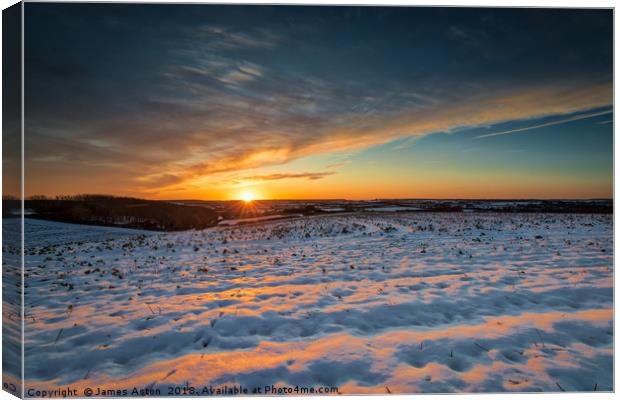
(176, 215)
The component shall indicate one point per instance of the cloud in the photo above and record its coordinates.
(242, 72)
(156, 181)
(338, 164)
(236, 76)
(552, 123)
(313, 176)
(221, 38)
(214, 131)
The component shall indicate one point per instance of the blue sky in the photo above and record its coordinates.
(199, 101)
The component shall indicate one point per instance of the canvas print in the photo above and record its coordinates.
(306, 200)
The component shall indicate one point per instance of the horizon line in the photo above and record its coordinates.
(411, 198)
(55, 197)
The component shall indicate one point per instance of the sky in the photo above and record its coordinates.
(296, 102)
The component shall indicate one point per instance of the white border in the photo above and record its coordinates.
(22, 194)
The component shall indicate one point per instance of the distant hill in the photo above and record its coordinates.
(116, 211)
(198, 214)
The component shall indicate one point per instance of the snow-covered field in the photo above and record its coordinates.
(377, 303)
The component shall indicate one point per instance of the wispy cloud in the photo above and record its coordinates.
(338, 164)
(221, 38)
(212, 131)
(552, 123)
(256, 179)
(313, 176)
(236, 76)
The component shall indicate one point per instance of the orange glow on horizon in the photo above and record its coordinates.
(248, 196)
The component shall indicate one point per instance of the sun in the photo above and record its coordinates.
(248, 197)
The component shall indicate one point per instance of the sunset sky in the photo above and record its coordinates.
(208, 102)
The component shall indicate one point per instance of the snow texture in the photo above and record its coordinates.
(376, 303)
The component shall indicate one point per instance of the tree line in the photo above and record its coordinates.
(129, 212)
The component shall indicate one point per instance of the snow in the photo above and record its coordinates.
(393, 209)
(433, 302)
(257, 219)
(39, 233)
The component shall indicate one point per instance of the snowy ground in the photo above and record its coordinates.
(379, 303)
